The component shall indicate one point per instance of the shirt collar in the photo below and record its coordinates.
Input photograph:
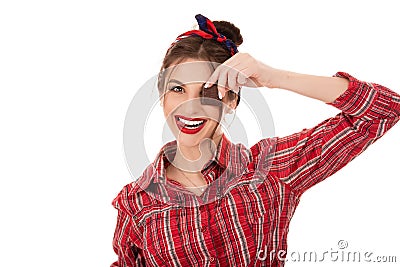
(228, 157)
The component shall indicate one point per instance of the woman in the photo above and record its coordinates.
(205, 201)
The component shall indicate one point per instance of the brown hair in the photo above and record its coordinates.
(196, 47)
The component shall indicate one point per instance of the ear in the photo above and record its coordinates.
(229, 108)
(232, 105)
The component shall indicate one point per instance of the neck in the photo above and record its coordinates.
(193, 158)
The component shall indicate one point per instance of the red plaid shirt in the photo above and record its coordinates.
(249, 217)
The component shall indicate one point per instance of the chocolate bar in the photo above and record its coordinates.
(209, 94)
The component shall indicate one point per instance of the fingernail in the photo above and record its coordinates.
(219, 95)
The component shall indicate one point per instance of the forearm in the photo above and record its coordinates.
(326, 89)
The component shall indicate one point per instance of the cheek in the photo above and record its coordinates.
(169, 105)
(212, 125)
(213, 113)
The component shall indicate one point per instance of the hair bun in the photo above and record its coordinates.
(230, 31)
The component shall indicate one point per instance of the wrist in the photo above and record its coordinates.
(275, 78)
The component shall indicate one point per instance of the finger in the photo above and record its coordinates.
(241, 78)
(213, 78)
(222, 88)
(232, 79)
(249, 82)
(222, 81)
(231, 62)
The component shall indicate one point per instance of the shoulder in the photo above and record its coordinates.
(131, 198)
(263, 149)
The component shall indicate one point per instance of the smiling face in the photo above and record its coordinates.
(189, 120)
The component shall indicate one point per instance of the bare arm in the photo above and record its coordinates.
(326, 89)
(243, 69)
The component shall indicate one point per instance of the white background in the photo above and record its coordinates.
(69, 69)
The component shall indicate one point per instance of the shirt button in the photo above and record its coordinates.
(212, 259)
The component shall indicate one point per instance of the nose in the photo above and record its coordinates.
(192, 103)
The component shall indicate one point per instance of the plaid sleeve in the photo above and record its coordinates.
(303, 159)
(126, 236)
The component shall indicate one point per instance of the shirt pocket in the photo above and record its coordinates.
(247, 219)
(251, 206)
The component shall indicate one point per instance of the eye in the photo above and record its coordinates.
(177, 89)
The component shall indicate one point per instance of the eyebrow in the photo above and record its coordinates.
(175, 81)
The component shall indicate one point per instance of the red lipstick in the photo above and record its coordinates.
(190, 125)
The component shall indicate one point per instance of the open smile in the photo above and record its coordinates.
(190, 125)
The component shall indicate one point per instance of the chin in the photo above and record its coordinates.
(189, 141)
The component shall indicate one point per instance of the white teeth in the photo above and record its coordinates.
(191, 123)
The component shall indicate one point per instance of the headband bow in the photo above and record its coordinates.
(208, 31)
